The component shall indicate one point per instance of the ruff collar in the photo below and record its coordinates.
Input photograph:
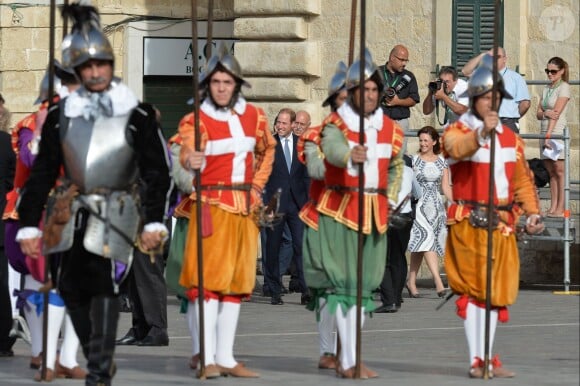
(120, 99)
(222, 113)
(352, 120)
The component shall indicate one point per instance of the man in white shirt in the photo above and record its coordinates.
(448, 89)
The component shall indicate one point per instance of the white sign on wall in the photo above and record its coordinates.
(173, 56)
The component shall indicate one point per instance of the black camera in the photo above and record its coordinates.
(434, 86)
(390, 92)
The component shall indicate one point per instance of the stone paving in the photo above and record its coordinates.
(416, 346)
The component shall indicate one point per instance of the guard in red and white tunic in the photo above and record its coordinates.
(467, 148)
(310, 153)
(338, 225)
(237, 151)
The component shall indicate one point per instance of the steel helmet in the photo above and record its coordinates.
(337, 83)
(86, 41)
(223, 60)
(43, 92)
(370, 71)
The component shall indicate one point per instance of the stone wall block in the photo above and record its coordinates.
(285, 28)
(13, 59)
(279, 59)
(272, 109)
(277, 89)
(277, 7)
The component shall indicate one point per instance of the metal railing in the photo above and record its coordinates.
(566, 238)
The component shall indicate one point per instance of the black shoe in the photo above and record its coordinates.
(386, 308)
(276, 301)
(128, 340)
(294, 286)
(154, 340)
(305, 299)
(442, 294)
(284, 290)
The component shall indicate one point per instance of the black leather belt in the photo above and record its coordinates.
(242, 187)
(339, 188)
(505, 119)
(476, 204)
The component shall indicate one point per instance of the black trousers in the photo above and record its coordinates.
(273, 243)
(148, 295)
(6, 342)
(86, 285)
(396, 269)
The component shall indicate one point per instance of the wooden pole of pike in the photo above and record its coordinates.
(47, 286)
(197, 172)
(361, 183)
(491, 195)
(197, 186)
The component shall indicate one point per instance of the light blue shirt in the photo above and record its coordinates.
(516, 86)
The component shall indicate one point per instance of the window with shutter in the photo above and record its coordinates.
(170, 95)
(473, 29)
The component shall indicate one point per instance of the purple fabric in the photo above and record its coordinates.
(21, 297)
(24, 138)
(12, 249)
(120, 269)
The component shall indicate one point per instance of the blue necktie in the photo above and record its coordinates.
(287, 154)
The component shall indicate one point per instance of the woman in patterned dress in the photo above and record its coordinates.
(429, 228)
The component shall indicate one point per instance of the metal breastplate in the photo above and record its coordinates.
(97, 155)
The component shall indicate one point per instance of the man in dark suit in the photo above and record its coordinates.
(291, 176)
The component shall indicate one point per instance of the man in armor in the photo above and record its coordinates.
(235, 161)
(106, 141)
(381, 155)
(466, 144)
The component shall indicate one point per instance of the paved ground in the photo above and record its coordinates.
(416, 346)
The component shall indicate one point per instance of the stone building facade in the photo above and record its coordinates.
(288, 49)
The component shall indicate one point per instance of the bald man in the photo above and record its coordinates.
(301, 123)
(397, 77)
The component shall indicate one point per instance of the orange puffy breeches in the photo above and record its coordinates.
(466, 262)
(229, 254)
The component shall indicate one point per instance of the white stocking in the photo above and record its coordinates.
(346, 325)
(13, 283)
(33, 319)
(475, 331)
(226, 333)
(69, 346)
(471, 326)
(210, 311)
(326, 327)
(192, 325)
(55, 319)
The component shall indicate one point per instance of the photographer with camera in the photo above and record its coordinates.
(401, 91)
(448, 89)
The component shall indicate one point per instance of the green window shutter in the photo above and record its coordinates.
(473, 29)
(170, 95)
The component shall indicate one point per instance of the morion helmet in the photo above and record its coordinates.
(86, 40)
(43, 92)
(222, 60)
(370, 72)
(337, 83)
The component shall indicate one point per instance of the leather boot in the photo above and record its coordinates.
(104, 319)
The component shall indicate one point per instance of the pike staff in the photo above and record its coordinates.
(47, 282)
(491, 193)
(361, 185)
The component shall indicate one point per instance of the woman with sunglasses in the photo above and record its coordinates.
(552, 115)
